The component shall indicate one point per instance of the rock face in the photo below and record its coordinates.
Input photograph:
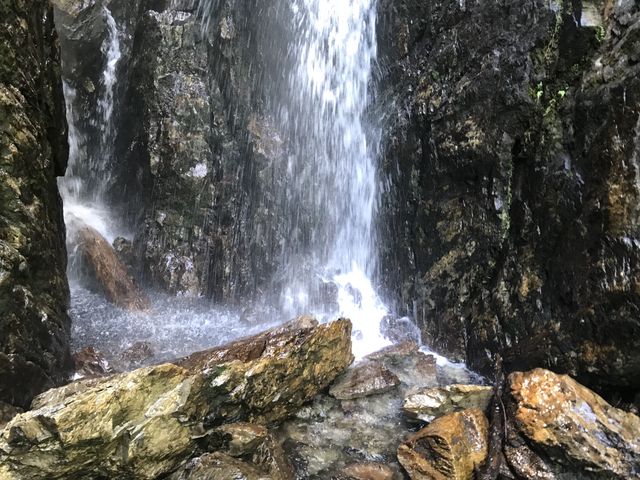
(511, 219)
(573, 427)
(450, 448)
(141, 425)
(34, 327)
(195, 159)
(104, 271)
(430, 403)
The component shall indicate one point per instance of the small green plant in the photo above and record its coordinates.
(562, 93)
(600, 34)
(537, 91)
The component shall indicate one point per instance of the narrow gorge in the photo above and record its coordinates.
(320, 239)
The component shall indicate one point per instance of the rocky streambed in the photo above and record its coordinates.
(289, 404)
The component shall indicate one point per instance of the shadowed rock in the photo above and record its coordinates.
(143, 424)
(106, 272)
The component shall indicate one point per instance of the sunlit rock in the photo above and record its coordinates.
(430, 403)
(104, 271)
(369, 378)
(450, 448)
(143, 424)
(569, 423)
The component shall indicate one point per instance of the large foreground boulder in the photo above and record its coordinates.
(571, 428)
(143, 424)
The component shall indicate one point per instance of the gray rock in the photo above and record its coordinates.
(368, 378)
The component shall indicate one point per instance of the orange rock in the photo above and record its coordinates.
(107, 271)
(563, 418)
(449, 448)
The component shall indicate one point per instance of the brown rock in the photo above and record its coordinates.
(138, 353)
(369, 378)
(90, 363)
(566, 420)
(106, 272)
(368, 471)
(450, 448)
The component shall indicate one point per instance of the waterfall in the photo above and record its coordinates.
(85, 182)
(331, 192)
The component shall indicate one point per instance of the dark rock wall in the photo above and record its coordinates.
(195, 157)
(34, 327)
(510, 223)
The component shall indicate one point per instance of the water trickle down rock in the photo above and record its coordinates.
(142, 424)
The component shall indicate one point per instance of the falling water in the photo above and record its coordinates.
(84, 185)
(332, 162)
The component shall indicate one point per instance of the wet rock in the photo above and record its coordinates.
(143, 424)
(124, 250)
(7, 412)
(450, 448)
(105, 272)
(392, 352)
(137, 353)
(368, 378)
(430, 403)
(400, 330)
(34, 296)
(220, 466)
(368, 471)
(254, 444)
(506, 224)
(90, 363)
(570, 424)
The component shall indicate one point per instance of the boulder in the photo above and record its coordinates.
(89, 363)
(143, 424)
(568, 423)
(368, 471)
(429, 403)
(368, 378)
(450, 448)
(106, 272)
